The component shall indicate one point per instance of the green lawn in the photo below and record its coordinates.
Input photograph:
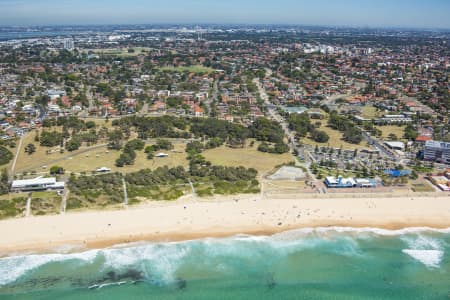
(399, 131)
(191, 69)
(248, 157)
(370, 112)
(122, 52)
(336, 139)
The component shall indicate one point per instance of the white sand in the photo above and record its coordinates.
(222, 216)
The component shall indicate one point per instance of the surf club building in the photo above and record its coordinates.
(340, 182)
(37, 184)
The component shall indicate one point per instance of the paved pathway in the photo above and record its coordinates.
(17, 155)
(125, 194)
(28, 208)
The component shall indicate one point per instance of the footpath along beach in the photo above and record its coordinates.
(221, 216)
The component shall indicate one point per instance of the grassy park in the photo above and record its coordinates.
(248, 157)
(190, 69)
(399, 131)
(120, 52)
(336, 139)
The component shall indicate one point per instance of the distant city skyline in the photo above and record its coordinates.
(360, 13)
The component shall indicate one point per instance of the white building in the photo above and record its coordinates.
(68, 44)
(36, 184)
(437, 151)
(395, 145)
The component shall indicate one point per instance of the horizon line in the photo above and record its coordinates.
(348, 26)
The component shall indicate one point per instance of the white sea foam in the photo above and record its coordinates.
(100, 286)
(421, 242)
(369, 230)
(426, 249)
(155, 261)
(160, 261)
(12, 268)
(430, 258)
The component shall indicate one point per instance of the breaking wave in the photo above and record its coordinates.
(167, 263)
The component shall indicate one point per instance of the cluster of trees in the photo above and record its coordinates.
(70, 122)
(266, 130)
(301, 124)
(233, 134)
(128, 155)
(71, 131)
(56, 170)
(320, 136)
(4, 185)
(115, 139)
(218, 131)
(161, 144)
(269, 131)
(352, 134)
(372, 129)
(51, 138)
(278, 148)
(159, 127)
(5, 156)
(411, 133)
(30, 149)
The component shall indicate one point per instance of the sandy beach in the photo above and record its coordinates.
(221, 216)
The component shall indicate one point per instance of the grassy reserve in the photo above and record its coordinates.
(248, 157)
(191, 69)
(336, 139)
(102, 157)
(399, 131)
(120, 52)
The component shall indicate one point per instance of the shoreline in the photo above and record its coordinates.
(222, 216)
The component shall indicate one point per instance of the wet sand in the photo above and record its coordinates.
(221, 216)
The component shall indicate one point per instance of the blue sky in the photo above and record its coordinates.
(374, 13)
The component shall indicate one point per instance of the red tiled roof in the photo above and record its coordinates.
(423, 138)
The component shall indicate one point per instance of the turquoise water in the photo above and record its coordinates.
(330, 263)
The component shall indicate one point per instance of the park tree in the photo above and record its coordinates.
(56, 170)
(30, 149)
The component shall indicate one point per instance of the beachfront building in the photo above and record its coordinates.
(36, 184)
(437, 151)
(340, 182)
(442, 182)
(395, 145)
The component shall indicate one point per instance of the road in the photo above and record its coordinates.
(378, 145)
(213, 96)
(19, 147)
(42, 112)
(273, 113)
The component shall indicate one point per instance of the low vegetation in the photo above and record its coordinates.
(5, 156)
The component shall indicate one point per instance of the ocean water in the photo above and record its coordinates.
(323, 263)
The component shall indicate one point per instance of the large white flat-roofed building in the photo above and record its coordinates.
(437, 151)
(394, 119)
(395, 145)
(37, 184)
(340, 182)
